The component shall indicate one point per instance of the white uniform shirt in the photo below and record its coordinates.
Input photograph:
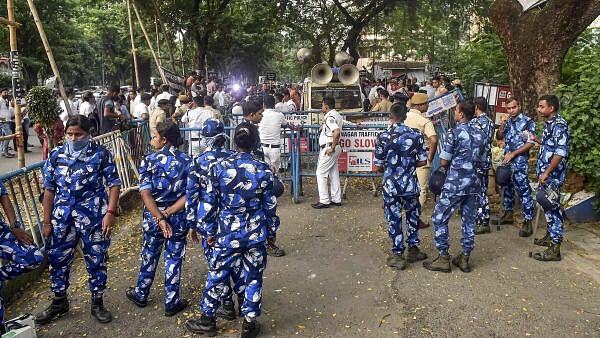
(195, 119)
(289, 106)
(269, 127)
(220, 98)
(86, 109)
(333, 121)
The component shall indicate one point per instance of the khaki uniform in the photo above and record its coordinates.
(383, 106)
(415, 119)
(157, 117)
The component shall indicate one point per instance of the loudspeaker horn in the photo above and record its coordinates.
(342, 58)
(348, 74)
(321, 73)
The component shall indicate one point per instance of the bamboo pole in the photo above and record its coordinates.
(137, 14)
(40, 28)
(157, 41)
(16, 74)
(136, 82)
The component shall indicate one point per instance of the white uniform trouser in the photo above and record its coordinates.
(328, 167)
(273, 158)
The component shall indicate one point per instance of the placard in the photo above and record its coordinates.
(358, 150)
(442, 103)
(176, 83)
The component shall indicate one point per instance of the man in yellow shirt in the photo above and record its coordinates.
(160, 113)
(384, 103)
(415, 119)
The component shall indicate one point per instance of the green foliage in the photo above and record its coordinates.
(581, 106)
(481, 60)
(42, 107)
(5, 81)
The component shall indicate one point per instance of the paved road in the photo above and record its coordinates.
(333, 283)
(10, 164)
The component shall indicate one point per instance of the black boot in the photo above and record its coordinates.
(227, 311)
(550, 254)
(58, 307)
(526, 229)
(181, 305)
(507, 217)
(100, 312)
(204, 325)
(250, 329)
(482, 229)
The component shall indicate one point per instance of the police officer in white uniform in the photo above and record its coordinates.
(269, 129)
(327, 167)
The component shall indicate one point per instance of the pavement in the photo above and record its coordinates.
(10, 164)
(334, 283)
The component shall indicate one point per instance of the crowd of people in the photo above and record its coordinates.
(226, 199)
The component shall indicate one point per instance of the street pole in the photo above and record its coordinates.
(40, 28)
(136, 82)
(16, 85)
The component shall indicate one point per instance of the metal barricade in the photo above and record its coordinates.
(356, 160)
(25, 186)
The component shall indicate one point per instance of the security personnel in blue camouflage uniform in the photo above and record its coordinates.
(517, 131)
(239, 216)
(17, 250)
(253, 114)
(213, 134)
(487, 127)
(77, 206)
(551, 169)
(461, 155)
(163, 178)
(398, 152)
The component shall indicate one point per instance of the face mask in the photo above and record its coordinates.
(79, 144)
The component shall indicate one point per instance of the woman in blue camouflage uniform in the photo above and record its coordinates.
(163, 177)
(214, 138)
(17, 250)
(238, 214)
(77, 206)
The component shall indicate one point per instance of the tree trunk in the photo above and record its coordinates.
(202, 45)
(537, 41)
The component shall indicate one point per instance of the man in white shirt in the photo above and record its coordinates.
(373, 92)
(220, 98)
(141, 108)
(195, 118)
(86, 108)
(269, 129)
(64, 115)
(327, 166)
(288, 104)
(6, 115)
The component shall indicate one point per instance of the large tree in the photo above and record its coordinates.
(537, 41)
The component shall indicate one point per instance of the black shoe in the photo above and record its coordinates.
(274, 250)
(240, 303)
(204, 325)
(27, 150)
(250, 329)
(336, 204)
(100, 312)
(320, 205)
(130, 294)
(227, 311)
(58, 307)
(178, 308)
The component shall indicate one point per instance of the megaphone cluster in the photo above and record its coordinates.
(347, 73)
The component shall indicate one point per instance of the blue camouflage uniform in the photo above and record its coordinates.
(196, 185)
(513, 140)
(164, 173)
(18, 257)
(239, 210)
(555, 141)
(79, 180)
(486, 126)
(464, 147)
(398, 150)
